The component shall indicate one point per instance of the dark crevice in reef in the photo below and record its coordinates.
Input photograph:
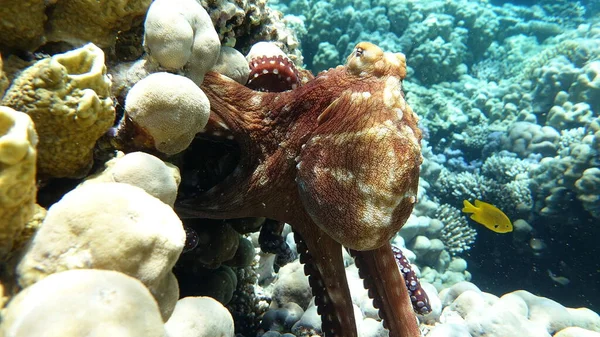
(204, 164)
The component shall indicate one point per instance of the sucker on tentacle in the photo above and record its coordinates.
(385, 286)
(322, 299)
(418, 296)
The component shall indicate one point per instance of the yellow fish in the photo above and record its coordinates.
(489, 216)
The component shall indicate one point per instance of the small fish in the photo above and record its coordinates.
(489, 216)
(563, 281)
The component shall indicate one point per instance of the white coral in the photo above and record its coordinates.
(83, 302)
(180, 33)
(110, 226)
(171, 108)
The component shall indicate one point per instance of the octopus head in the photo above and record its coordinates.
(369, 60)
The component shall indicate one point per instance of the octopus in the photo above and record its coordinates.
(338, 159)
(418, 296)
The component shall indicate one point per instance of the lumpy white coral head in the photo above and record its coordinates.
(232, 64)
(157, 178)
(200, 316)
(112, 226)
(83, 302)
(180, 33)
(171, 108)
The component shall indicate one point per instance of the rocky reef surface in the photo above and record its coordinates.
(105, 128)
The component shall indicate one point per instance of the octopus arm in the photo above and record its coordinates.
(387, 288)
(324, 266)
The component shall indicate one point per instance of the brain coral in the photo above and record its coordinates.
(68, 98)
(17, 175)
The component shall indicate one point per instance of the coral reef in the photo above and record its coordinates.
(509, 114)
(102, 299)
(78, 233)
(174, 43)
(467, 309)
(68, 98)
(147, 126)
(157, 178)
(18, 142)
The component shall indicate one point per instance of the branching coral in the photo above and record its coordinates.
(456, 234)
(510, 183)
(501, 181)
(454, 187)
(504, 169)
(243, 23)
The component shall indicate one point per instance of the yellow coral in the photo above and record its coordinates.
(68, 98)
(17, 175)
(39, 213)
(3, 79)
(22, 23)
(98, 21)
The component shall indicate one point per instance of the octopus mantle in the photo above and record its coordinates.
(338, 159)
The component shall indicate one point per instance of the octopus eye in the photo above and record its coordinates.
(358, 52)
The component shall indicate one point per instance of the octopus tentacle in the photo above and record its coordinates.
(327, 279)
(271, 241)
(418, 296)
(387, 288)
(191, 239)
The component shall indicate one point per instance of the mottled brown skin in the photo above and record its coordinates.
(338, 159)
